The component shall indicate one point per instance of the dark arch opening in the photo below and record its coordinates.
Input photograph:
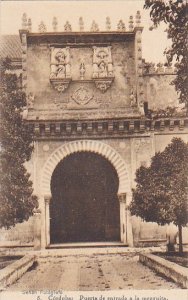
(84, 205)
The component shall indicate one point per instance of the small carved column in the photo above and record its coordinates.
(37, 229)
(129, 223)
(47, 218)
(123, 230)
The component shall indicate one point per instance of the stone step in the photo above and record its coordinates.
(60, 254)
(86, 245)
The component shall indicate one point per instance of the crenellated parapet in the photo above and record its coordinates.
(93, 70)
(159, 91)
(83, 61)
(157, 69)
(132, 24)
(169, 112)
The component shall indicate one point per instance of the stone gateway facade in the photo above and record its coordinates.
(98, 112)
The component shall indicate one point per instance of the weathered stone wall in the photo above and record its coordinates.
(148, 230)
(46, 97)
(49, 104)
(135, 152)
(161, 141)
(159, 92)
(21, 234)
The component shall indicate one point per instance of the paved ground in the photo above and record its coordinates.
(93, 272)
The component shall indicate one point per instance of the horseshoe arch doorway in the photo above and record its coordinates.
(84, 205)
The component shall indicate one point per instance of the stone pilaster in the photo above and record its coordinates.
(47, 199)
(45, 221)
(125, 220)
(37, 229)
(123, 229)
(129, 222)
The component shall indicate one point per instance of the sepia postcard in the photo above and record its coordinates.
(99, 104)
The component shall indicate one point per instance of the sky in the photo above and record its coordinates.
(153, 42)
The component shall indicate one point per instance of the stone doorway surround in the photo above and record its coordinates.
(124, 190)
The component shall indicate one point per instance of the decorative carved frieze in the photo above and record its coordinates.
(102, 68)
(102, 128)
(121, 127)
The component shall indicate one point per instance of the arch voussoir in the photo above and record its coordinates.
(85, 145)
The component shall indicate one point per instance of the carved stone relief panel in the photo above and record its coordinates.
(82, 96)
(103, 74)
(102, 62)
(60, 75)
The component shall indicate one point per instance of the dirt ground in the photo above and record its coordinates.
(94, 272)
